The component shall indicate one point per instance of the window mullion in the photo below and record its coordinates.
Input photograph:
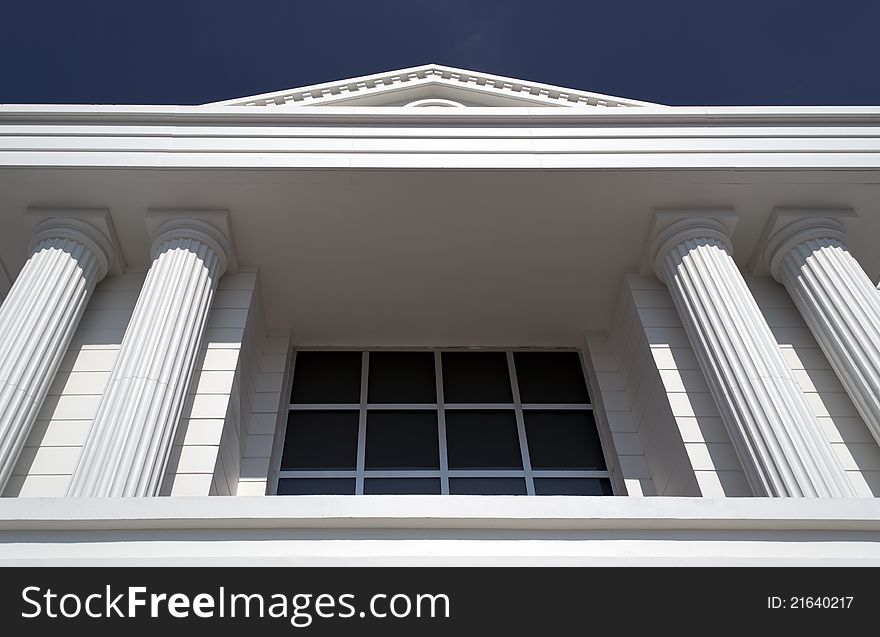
(362, 425)
(520, 426)
(441, 424)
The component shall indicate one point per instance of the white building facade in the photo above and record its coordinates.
(439, 317)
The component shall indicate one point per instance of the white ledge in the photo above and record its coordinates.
(211, 113)
(440, 512)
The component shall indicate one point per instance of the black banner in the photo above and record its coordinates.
(438, 601)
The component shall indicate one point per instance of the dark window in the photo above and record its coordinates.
(401, 486)
(476, 377)
(321, 440)
(563, 440)
(316, 486)
(402, 377)
(550, 377)
(327, 378)
(402, 440)
(381, 429)
(487, 486)
(572, 486)
(482, 440)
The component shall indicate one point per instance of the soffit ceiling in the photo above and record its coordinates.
(420, 257)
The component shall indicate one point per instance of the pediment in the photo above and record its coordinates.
(433, 85)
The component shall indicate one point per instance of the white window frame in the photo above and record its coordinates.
(444, 473)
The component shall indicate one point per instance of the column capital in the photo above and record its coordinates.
(92, 228)
(787, 228)
(670, 228)
(208, 226)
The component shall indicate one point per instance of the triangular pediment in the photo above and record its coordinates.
(433, 85)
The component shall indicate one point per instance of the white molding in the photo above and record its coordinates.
(210, 226)
(211, 113)
(93, 225)
(178, 138)
(784, 223)
(434, 101)
(452, 511)
(672, 228)
(782, 243)
(439, 531)
(666, 225)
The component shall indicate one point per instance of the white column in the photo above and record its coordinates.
(127, 449)
(838, 302)
(775, 434)
(38, 318)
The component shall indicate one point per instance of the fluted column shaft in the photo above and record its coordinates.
(37, 321)
(838, 302)
(775, 434)
(128, 446)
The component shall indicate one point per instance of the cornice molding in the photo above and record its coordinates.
(90, 227)
(671, 227)
(787, 228)
(208, 226)
(461, 512)
(800, 232)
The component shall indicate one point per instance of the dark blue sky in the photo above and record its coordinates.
(701, 52)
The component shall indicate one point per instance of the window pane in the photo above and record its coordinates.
(402, 440)
(482, 440)
(476, 377)
(321, 440)
(402, 377)
(487, 486)
(563, 440)
(572, 486)
(327, 377)
(550, 377)
(316, 486)
(401, 486)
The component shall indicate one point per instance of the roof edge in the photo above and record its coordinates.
(662, 115)
(316, 92)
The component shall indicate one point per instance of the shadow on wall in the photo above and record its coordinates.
(707, 444)
(845, 429)
(205, 453)
(63, 422)
(708, 452)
